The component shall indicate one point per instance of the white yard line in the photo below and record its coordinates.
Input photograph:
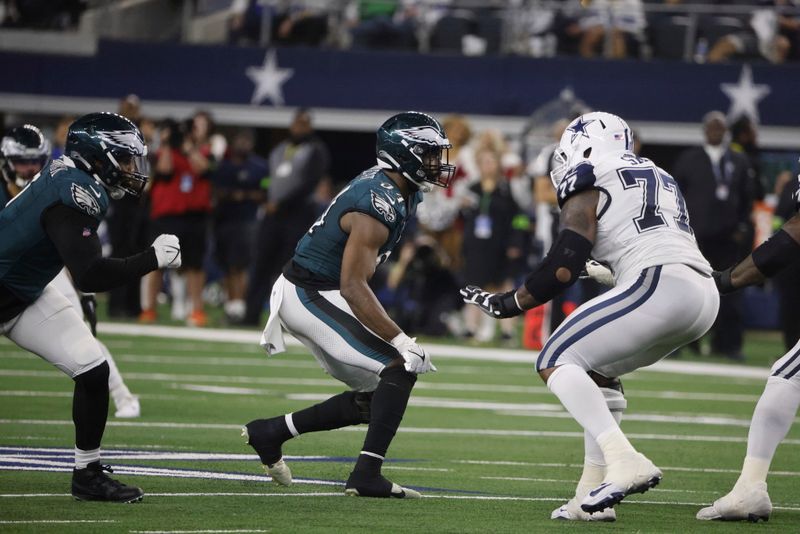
(195, 531)
(414, 430)
(55, 521)
(436, 350)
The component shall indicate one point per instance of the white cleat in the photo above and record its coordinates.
(128, 408)
(743, 503)
(571, 511)
(632, 473)
(280, 473)
(397, 492)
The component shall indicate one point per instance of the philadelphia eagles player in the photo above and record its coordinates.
(23, 152)
(324, 300)
(51, 223)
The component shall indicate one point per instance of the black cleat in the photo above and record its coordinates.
(92, 484)
(264, 435)
(359, 485)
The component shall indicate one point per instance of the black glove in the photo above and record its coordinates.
(497, 305)
(89, 307)
(723, 281)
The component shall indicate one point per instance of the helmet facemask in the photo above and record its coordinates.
(127, 172)
(432, 170)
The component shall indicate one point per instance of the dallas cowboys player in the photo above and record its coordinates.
(777, 407)
(23, 152)
(625, 211)
(324, 300)
(52, 223)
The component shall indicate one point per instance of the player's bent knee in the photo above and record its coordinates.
(399, 377)
(95, 379)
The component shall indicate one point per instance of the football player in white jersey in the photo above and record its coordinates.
(628, 213)
(777, 407)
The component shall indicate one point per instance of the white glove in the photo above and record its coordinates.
(599, 272)
(417, 360)
(168, 251)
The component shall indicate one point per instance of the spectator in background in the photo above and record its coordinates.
(717, 188)
(180, 201)
(613, 28)
(126, 221)
(296, 167)
(382, 24)
(769, 34)
(237, 192)
(492, 244)
(289, 22)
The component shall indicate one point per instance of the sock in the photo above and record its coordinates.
(388, 406)
(594, 464)
(772, 418)
(119, 391)
(90, 407)
(336, 412)
(84, 458)
(582, 398)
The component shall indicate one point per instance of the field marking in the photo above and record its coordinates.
(55, 521)
(251, 337)
(433, 386)
(580, 466)
(192, 531)
(414, 430)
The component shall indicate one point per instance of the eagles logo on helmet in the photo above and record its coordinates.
(110, 148)
(415, 145)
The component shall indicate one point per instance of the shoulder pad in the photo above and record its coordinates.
(579, 179)
(79, 191)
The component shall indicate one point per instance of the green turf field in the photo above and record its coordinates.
(487, 444)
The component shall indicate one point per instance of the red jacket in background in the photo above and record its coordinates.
(185, 192)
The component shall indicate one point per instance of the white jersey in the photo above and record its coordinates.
(642, 217)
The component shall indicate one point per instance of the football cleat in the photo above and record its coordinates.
(632, 473)
(259, 435)
(747, 502)
(571, 511)
(377, 486)
(92, 484)
(128, 408)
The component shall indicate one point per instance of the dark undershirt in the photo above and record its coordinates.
(74, 235)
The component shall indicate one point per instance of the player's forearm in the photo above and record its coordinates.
(104, 274)
(368, 310)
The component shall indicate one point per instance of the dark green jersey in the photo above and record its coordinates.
(4, 195)
(320, 251)
(28, 258)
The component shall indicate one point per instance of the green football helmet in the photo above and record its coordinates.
(111, 148)
(414, 144)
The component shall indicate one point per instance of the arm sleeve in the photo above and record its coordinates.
(75, 237)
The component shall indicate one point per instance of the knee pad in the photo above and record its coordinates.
(363, 403)
(95, 379)
(399, 377)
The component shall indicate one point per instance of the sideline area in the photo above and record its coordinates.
(437, 350)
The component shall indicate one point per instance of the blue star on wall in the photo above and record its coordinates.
(579, 128)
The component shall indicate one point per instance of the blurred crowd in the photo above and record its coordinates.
(239, 214)
(692, 30)
(699, 30)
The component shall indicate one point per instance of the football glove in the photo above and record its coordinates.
(599, 273)
(497, 305)
(417, 360)
(723, 281)
(168, 251)
(89, 307)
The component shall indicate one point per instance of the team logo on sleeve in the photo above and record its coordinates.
(85, 200)
(383, 206)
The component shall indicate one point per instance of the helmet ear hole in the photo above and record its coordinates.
(587, 153)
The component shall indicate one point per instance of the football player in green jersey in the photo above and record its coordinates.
(324, 300)
(53, 223)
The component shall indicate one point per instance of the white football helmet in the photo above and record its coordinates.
(590, 137)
